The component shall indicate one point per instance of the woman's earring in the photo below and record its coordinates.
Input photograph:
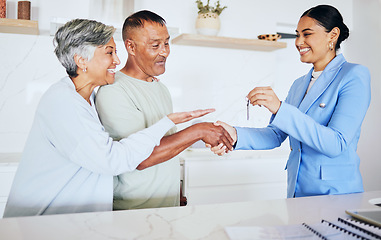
(331, 46)
(85, 69)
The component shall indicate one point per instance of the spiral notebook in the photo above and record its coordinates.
(327, 230)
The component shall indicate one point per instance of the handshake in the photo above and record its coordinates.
(221, 137)
(221, 148)
(218, 136)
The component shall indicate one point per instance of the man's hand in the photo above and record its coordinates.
(215, 135)
(186, 116)
(221, 149)
(173, 144)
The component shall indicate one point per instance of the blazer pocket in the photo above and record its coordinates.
(337, 172)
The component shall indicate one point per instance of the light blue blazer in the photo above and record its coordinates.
(323, 127)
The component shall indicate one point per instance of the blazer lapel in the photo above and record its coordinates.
(322, 83)
(301, 89)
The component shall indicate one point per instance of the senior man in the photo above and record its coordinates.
(136, 101)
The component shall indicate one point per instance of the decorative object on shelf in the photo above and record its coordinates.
(227, 42)
(208, 20)
(269, 37)
(23, 10)
(3, 8)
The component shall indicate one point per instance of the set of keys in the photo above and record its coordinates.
(248, 109)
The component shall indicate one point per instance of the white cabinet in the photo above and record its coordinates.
(8, 167)
(207, 178)
(242, 176)
(7, 173)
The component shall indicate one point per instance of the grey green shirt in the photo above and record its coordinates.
(125, 107)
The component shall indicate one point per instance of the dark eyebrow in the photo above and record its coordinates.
(307, 29)
(158, 40)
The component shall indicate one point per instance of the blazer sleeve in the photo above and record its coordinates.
(259, 138)
(353, 100)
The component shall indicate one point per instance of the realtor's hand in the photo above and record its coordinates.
(214, 135)
(264, 96)
(221, 149)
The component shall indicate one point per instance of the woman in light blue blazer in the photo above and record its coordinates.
(322, 114)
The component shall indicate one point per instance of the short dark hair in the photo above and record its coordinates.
(329, 17)
(136, 20)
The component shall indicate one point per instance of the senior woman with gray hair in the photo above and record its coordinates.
(69, 160)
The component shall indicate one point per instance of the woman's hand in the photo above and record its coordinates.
(186, 116)
(264, 96)
(221, 149)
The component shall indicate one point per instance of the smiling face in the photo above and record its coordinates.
(101, 68)
(313, 43)
(149, 48)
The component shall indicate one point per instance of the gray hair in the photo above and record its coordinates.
(80, 37)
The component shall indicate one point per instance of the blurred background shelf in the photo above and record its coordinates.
(228, 42)
(18, 26)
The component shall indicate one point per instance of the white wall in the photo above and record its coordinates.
(209, 77)
(364, 47)
(197, 77)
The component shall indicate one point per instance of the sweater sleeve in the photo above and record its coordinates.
(74, 131)
(101, 154)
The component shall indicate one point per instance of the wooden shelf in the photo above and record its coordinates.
(227, 42)
(18, 26)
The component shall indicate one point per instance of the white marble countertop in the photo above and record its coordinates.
(193, 222)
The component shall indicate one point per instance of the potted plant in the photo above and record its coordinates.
(208, 21)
